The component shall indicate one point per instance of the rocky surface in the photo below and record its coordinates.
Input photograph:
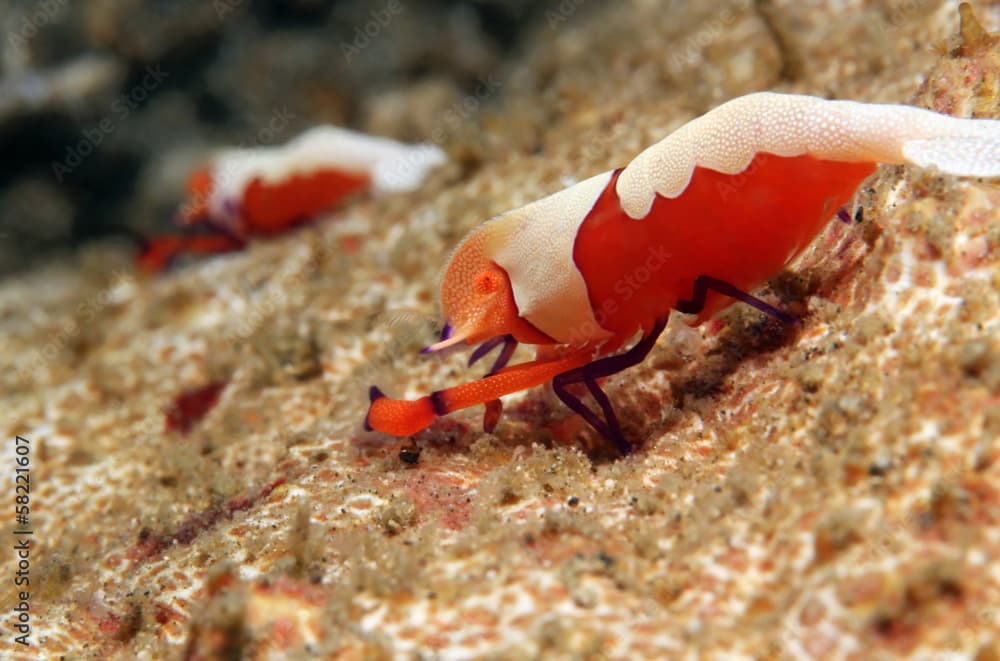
(829, 491)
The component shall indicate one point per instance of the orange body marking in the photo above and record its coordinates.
(273, 208)
(158, 252)
(739, 228)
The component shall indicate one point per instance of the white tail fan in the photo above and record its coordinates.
(965, 156)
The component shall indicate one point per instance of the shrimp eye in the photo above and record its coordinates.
(487, 282)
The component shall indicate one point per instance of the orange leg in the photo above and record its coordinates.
(158, 252)
(401, 417)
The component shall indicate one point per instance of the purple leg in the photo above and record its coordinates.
(374, 392)
(845, 216)
(588, 374)
(494, 409)
(602, 400)
(485, 348)
(509, 345)
(705, 282)
(445, 334)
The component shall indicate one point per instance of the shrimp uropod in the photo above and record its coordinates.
(709, 212)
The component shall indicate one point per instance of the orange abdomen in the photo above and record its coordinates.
(740, 228)
(272, 207)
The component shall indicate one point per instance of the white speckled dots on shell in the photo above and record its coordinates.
(727, 138)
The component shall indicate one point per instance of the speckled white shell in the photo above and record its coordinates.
(727, 138)
(392, 166)
(534, 244)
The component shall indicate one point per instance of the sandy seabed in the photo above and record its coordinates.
(828, 491)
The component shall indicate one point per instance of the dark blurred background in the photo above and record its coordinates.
(106, 105)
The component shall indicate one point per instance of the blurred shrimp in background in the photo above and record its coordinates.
(107, 107)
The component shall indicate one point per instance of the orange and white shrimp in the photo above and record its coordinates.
(247, 193)
(253, 192)
(691, 224)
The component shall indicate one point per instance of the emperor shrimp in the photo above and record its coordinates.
(714, 209)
